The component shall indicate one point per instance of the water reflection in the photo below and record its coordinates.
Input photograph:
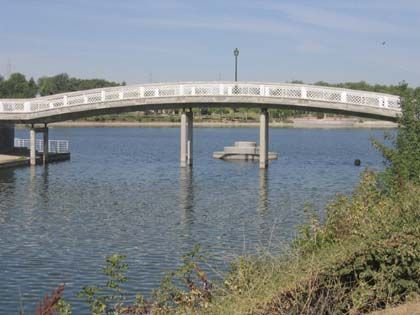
(44, 193)
(31, 197)
(186, 194)
(7, 185)
(7, 177)
(263, 193)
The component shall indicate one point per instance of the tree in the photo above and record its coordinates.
(404, 157)
(17, 87)
(32, 88)
(1, 86)
(62, 83)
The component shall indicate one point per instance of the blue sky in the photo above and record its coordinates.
(180, 40)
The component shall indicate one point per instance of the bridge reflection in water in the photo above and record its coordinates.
(186, 194)
(263, 193)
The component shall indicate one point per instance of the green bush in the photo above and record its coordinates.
(403, 158)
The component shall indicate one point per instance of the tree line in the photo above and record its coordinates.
(17, 86)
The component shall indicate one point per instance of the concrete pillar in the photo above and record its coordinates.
(32, 146)
(186, 146)
(45, 148)
(190, 119)
(7, 138)
(264, 138)
(183, 144)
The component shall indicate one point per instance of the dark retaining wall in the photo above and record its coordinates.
(7, 138)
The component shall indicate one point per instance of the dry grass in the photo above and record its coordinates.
(406, 309)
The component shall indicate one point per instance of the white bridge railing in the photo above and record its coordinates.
(132, 92)
(54, 146)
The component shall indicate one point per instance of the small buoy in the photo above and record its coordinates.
(357, 162)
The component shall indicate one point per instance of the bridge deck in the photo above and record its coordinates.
(199, 94)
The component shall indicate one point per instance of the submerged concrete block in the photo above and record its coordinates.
(243, 150)
(246, 144)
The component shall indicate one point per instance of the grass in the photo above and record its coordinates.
(365, 257)
(412, 308)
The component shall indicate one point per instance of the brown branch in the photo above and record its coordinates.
(46, 305)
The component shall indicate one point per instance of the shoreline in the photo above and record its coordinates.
(296, 123)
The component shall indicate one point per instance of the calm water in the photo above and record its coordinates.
(123, 191)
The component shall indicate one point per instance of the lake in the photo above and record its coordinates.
(124, 192)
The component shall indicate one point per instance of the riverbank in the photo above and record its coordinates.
(365, 257)
(294, 123)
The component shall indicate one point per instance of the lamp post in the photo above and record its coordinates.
(236, 54)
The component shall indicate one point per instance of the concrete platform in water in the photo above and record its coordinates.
(18, 159)
(243, 150)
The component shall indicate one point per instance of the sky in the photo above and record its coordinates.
(141, 41)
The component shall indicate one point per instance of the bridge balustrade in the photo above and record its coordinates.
(226, 89)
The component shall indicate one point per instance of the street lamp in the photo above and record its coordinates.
(236, 54)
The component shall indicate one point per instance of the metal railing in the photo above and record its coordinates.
(54, 146)
(228, 89)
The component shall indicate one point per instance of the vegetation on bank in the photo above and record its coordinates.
(17, 86)
(364, 257)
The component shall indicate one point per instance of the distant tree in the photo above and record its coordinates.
(1, 86)
(32, 88)
(364, 86)
(62, 83)
(17, 87)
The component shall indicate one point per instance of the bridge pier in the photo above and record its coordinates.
(264, 119)
(186, 145)
(46, 148)
(32, 145)
(7, 138)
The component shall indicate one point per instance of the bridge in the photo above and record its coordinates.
(188, 95)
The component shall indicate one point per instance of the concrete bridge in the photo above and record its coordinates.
(188, 95)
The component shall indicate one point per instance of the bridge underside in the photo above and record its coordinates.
(121, 106)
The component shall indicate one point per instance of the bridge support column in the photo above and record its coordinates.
(32, 146)
(186, 138)
(46, 147)
(7, 138)
(190, 119)
(264, 118)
